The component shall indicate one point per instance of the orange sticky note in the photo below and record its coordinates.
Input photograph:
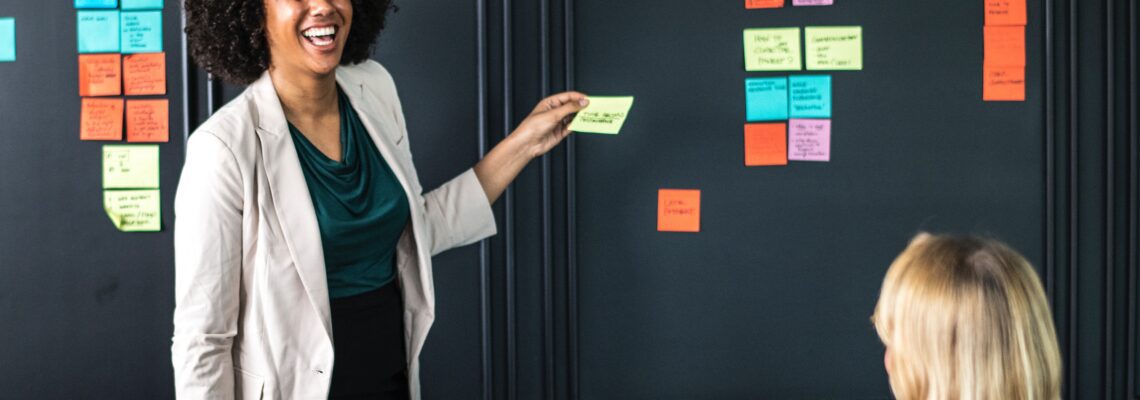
(1003, 84)
(148, 121)
(99, 75)
(678, 210)
(763, 3)
(144, 74)
(1005, 46)
(101, 119)
(1005, 13)
(765, 144)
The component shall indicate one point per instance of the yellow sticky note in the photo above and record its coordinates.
(134, 210)
(772, 49)
(604, 115)
(130, 166)
(834, 47)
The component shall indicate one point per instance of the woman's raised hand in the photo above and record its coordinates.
(549, 122)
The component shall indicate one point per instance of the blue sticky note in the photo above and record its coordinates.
(766, 98)
(96, 3)
(809, 96)
(7, 39)
(142, 4)
(98, 31)
(142, 32)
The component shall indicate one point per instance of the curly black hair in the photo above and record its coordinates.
(227, 37)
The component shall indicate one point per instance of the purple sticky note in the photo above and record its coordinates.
(812, 2)
(809, 139)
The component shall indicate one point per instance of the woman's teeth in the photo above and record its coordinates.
(320, 36)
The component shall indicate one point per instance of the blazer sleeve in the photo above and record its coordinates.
(207, 250)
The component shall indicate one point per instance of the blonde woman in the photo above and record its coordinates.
(966, 318)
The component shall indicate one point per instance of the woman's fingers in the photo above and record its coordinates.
(558, 100)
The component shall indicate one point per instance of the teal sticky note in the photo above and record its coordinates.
(142, 4)
(96, 3)
(809, 96)
(142, 32)
(7, 39)
(98, 31)
(766, 98)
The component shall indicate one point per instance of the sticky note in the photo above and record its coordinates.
(100, 75)
(101, 119)
(809, 140)
(772, 49)
(96, 3)
(603, 115)
(765, 144)
(763, 3)
(134, 210)
(148, 121)
(98, 31)
(766, 99)
(1004, 46)
(834, 47)
(1003, 84)
(678, 210)
(142, 32)
(1005, 13)
(7, 39)
(809, 96)
(130, 166)
(144, 74)
(812, 2)
(142, 4)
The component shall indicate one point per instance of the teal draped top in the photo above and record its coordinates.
(360, 205)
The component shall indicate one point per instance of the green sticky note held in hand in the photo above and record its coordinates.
(603, 115)
(134, 210)
(130, 166)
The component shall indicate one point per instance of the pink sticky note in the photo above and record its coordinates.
(812, 2)
(809, 139)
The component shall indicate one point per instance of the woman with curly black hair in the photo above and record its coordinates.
(303, 239)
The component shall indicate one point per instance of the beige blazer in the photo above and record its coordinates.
(251, 318)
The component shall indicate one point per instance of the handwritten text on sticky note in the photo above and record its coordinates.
(134, 210)
(98, 31)
(1003, 84)
(130, 166)
(765, 144)
(678, 210)
(1004, 46)
(148, 121)
(812, 2)
(766, 99)
(809, 140)
(142, 32)
(834, 47)
(763, 3)
(1005, 13)
(772, 49)
(603, 115)
(809, 96)
(144, 74)
(101, 119)
(99, 75)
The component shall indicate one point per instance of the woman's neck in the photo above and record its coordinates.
(305, 98)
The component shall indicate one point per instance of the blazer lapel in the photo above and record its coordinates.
(371, 112)
(290, 194)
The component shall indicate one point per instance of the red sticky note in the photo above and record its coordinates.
(148, 121)
(1005, 13)
(144, 74)
(1003, 84)
(765, 144)
(678, 210)
(1005, 46)
(101, 119)
(99, 75)
(763, 3)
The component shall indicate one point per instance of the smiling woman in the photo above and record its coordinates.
(301, 222)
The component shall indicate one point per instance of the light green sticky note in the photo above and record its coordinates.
(603, 115)
(834, 47)
(7, 39)
(134, 210)
(130, 166)
(772, 49)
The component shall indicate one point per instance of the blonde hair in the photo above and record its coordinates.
(965, 318)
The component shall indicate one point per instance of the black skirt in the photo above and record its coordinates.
(368, 340)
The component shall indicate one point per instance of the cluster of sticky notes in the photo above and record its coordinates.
(7, 39)
(750, 4)
(837, 48)
(805, 102)
(778, 98)
(1003, 69)
(604, 115)
(120, 54)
